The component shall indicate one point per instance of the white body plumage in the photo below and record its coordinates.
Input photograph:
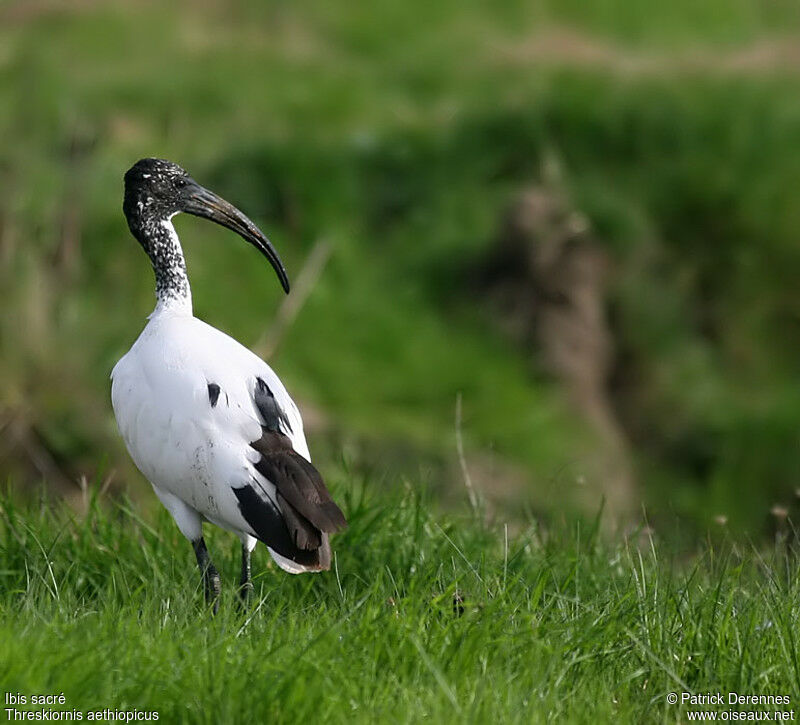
(192, 453)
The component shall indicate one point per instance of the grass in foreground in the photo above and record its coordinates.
(423, 618)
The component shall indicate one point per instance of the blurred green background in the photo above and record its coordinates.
(403, 137)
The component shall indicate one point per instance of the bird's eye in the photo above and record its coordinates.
(180, 182)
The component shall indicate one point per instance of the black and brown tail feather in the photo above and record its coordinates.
(298, 524)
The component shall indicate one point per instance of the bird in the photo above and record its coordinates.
(205, 420)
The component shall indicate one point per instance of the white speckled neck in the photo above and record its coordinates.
(162, 245)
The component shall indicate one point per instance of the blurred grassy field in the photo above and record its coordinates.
(399, 133)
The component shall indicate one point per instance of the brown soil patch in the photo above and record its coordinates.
(562, 46)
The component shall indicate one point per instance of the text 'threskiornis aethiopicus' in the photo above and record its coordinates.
(205, 420)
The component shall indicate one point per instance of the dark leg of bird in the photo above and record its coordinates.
(245, 585)
(211, 584)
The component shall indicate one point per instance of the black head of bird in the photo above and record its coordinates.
(156, 190)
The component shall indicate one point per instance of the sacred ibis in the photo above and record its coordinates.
(206, 421)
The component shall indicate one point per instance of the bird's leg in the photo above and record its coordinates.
(245, 584)
(211, 585)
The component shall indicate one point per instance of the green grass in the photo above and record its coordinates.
(554, 624)
(400, 133)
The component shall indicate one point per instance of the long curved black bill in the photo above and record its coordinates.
(204, 203)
